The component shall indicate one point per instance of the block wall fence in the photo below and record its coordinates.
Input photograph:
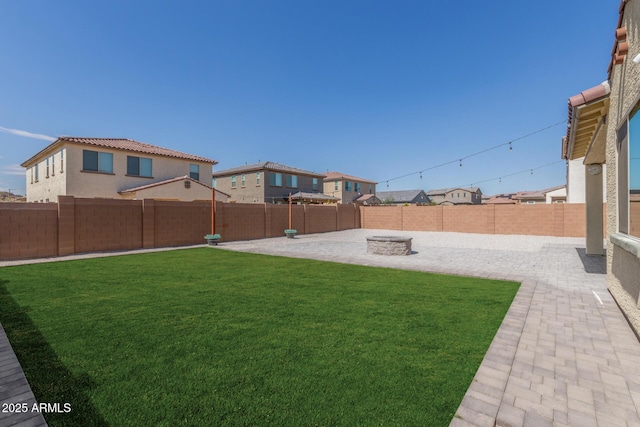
(559, 219)
(74, 225)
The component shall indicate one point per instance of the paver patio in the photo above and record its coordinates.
(564, 354)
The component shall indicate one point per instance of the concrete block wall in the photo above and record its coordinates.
(180, 223)
(92, 225)
(560, 219)
(107, 225)
(28, 230)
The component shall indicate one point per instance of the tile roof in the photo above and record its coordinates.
(337, 176)
(400, 196)
(301, 195)
(271, 166)
(536, 194)
(123, 144)
(447, 190)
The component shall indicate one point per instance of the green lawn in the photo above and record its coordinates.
(210, 337)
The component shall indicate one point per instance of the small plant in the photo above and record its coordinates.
(291, 233)
(212, 239)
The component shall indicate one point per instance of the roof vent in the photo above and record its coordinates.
(187, 183)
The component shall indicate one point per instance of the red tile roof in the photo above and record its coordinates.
(123, 144)
(337, 176)
(131, 145)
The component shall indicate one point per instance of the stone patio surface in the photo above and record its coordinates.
(563, 356)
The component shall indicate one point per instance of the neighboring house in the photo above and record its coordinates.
(368, 200)
(456, 196)
(266, 182)
(411, 197)
(604, 127)
(111, 168)
(347, 188)
(500, 199)
(550, 195)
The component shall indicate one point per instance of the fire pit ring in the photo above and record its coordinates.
(389, 245)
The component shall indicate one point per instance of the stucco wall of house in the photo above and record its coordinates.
(252, 191)
(49, 185)
(623, 268)
(175, 191)
(559, 194)
(81, 183)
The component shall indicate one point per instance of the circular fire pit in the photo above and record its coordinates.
(389, 245)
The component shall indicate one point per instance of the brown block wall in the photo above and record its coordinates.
(468, 219)
(240, 221)
(382, 217)
(28, 232)
(422, 218)
(107, 225)
(561, 219)
(347, 216)
(320, 219)
(181, 223)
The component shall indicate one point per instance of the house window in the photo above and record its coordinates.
(233, 181)
(47, 174)
(139, 166)
(215, 182)
(357, 185)
(243, 181)
(96, 161)
(194, 172)
(32, 175)
(53, 165)
(335, 186)
(292, 181)
(62, 161)
(275, 179)
(347, 186)
(370, 188)
(629, 174)
(315, 183)
(257, 179)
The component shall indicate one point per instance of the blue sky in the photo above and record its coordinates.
(375, 89)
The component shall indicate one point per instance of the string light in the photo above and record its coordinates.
(511, 174)
(509, 143)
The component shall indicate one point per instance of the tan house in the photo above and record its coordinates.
(456, 196)
(348, 188)
(556, 194)
(604, 127)
(270, 182)
(115, 168)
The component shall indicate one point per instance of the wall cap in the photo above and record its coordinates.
(629, 244)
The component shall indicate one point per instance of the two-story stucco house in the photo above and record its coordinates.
(116, 168)
(348, 188)
(456, 196)
(269, 182)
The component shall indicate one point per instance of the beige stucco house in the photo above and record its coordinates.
(604, 127)
(456, 196)
(116, 168)
(348, 188)
(270, 182)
